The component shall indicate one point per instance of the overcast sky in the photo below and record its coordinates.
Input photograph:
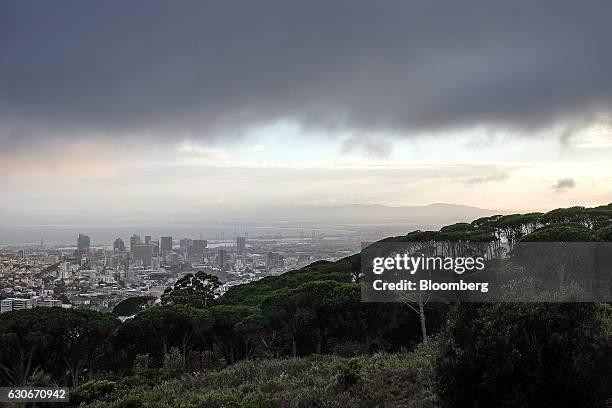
(151, 107)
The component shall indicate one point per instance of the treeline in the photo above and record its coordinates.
(573, 224)
(320, 317)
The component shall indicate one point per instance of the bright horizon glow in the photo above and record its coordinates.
(283, 164)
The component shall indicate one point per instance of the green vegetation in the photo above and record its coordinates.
(281, 341)
(91, 391)
(63, 343)
(400, 380)
(344, 270)
(195, 290)
(523, 355)
(350, 373)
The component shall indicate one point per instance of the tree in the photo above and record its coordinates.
(316, 314)
(565, 215)
(324, 303)
(558, 255)
(196, 290)
(230, 335)
(81, 338)
(417, 302)
(560, 233)
(522, 355)
(289, 312)
(604, 234)
(158, 329)
(20, 342)
(56, 340)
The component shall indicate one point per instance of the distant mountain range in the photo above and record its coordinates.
(357, 214)
(368, 214)
(295, 215)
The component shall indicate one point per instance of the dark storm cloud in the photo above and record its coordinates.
(157, 68)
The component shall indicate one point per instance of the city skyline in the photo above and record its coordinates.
(85, 274)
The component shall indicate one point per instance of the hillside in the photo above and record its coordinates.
(398, 380)
(284, 340)
(253, 293)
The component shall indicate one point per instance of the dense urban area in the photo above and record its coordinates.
(100, 276)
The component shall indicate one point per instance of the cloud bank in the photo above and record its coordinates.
(158, 70)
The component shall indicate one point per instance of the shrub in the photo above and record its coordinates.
(91, 391)
(141, 363)
(41, 379)
(350, 373)
(174, 363)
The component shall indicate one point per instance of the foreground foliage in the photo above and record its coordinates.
(524, 355)
(397, 380)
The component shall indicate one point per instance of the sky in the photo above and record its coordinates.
(154, 108)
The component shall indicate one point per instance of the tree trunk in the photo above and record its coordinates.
(423, 323)
(73, 369)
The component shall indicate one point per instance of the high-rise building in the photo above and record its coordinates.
(134, 240)
(147, 239)
(221, 258)
(185, 243)
(83, 243)
(144, 254)
(241, 245)
(199, 245)
(166, 244)
(118, 246)
(273, 260)
(155, 244)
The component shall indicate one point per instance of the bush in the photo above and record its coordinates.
(350, 373)
(91, 391)
(522, 355)
(174, 363)
(141, 363)
(41, 379)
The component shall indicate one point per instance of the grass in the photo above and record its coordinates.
(389, 380)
